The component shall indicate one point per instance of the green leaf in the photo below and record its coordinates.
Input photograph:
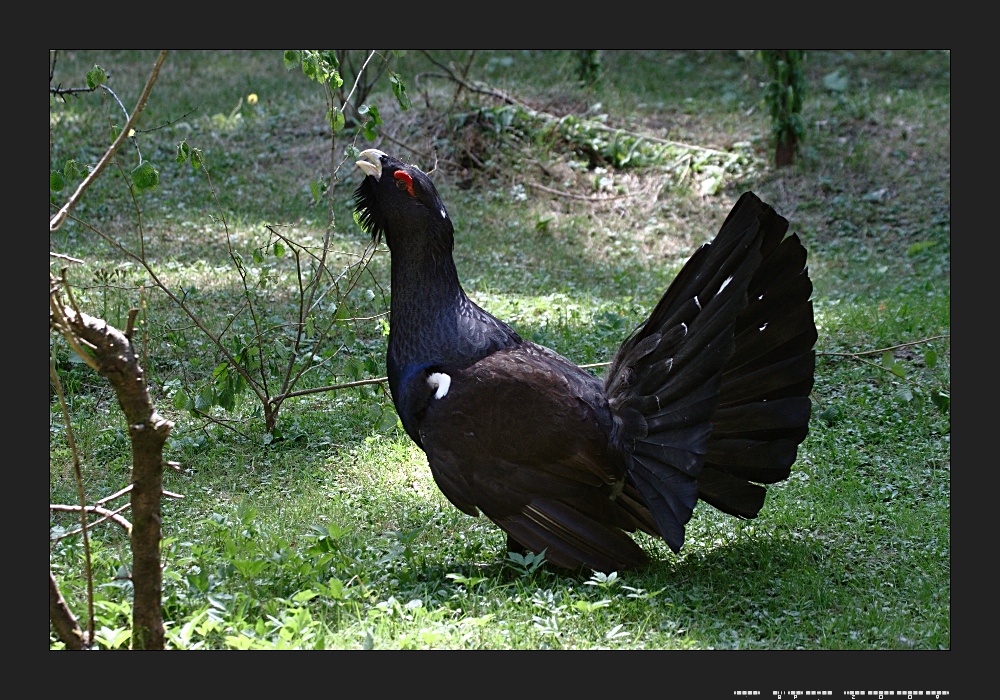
(310, 65)
(304, 596)
(183, 152)
(335, 589)
(181, 400)
(71, 170)
(335, 80)
(227, 398)
(388, 420)
(330, 57)
(920, 247)
(258, 257)
(96, 76)
(889, 362)
(370, 132)
(145, 176)
(354, 368)
(56, 181)
(930, 359)
(335, 531)
(336, 119)
(941, 400)
(292, 59)
(197, 157)
(399, 90)
(830, 415)
(204, 400)
(279, 249)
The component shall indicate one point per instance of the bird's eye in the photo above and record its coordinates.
(404, 181)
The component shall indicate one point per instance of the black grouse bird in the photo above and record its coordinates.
(707, 399)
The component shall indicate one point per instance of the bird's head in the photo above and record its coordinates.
(397, 200)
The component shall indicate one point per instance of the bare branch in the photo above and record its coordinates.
(65, 257)
(115, 495)
(108, 514)
(63, 621)
(334, 387)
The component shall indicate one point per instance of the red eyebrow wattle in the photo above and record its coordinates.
(405, 177)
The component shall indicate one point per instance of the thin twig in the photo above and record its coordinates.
(886, 369)
(132, 132)
(65, 257)
(78, 472)
(166, 124)
(465, 76)
(358, 78)
(113, 496)
(62, 92)
(223, 423)
(335, 387)
(883, 350)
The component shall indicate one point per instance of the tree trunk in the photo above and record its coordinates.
(785, 151)
(117, 362)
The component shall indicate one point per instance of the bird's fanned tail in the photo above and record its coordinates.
(711, 392)
(764, 404)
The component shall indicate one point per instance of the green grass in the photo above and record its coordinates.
(336, 535)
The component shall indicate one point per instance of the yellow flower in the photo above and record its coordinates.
(252, 98)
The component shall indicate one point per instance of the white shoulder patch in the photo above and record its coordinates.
(444, 214)
(440, 382)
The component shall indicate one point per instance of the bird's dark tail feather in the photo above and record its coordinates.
(711, 393)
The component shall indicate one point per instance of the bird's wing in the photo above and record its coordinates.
(523, 436)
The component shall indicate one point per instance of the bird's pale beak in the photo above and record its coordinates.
(372, 163)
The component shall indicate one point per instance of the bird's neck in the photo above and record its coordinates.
(432, 321)
(424, 285)
(427, 302)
